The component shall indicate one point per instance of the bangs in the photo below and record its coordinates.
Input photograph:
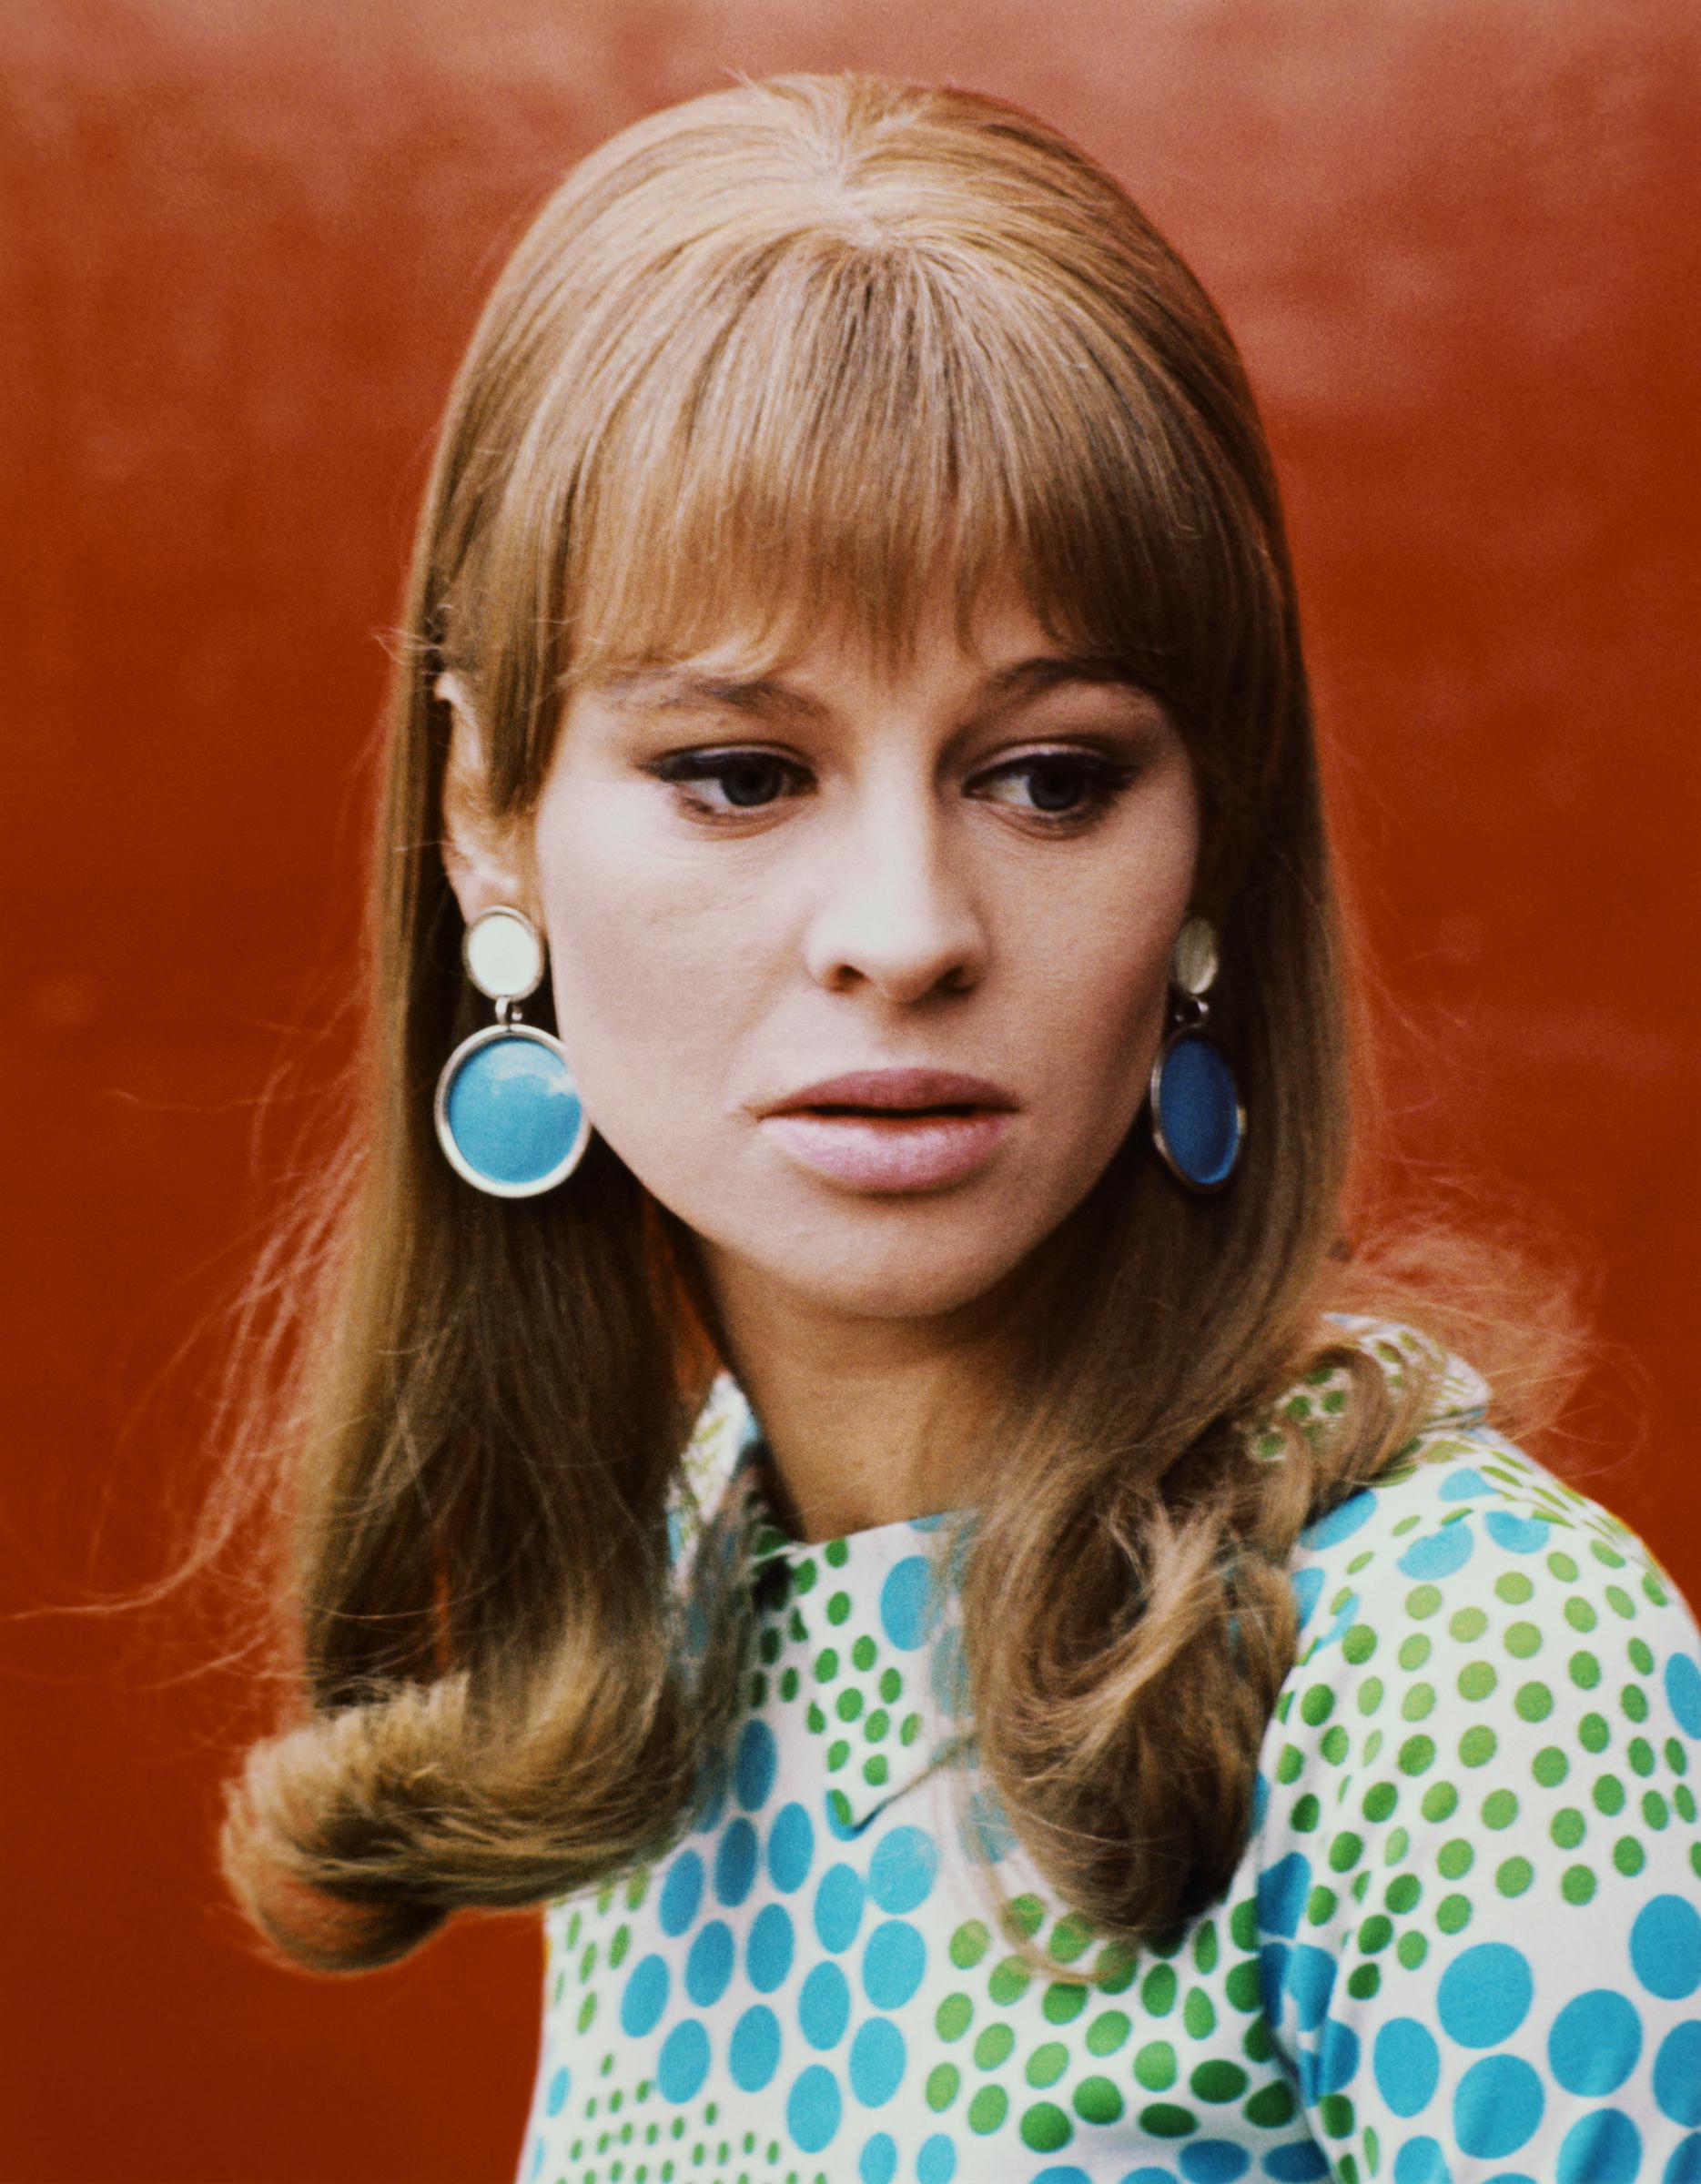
(840, 425)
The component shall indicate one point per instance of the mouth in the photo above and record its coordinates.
(890, 1149)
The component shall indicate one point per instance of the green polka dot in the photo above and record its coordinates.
(1513, 1588)
(1154, 2065)
(826, 1665)
(1097, 2100)
(1477, 1679)
(1048, 2063)
(1306, 1814)
(1654, 1810)
(1423, 1599)
(1641, 1656)
(1522, 1640)
(1550, 1766)
(1106, 2032)
(1415, 1650)
(942, 2086)
(1416, 1755)
(1608, 1794)
(969, 1944)
(1579, 1614)
(1562, 1567)
(1158, 1989)
(1499, 1809)
(1640, 1755)
(1379, 1800)
(1065, 2000)
(1593, 1732)
(1477, 1746)
(1535, 1702)
(839, 1608)
(1402, 1893)
(1454, 1859)
(1010, 1981)
(1217, 2079)
(994, 2046)
(1270, 2105)
(1468, 1624)
(1418, 1702)
(1627, 1855)
(1452, 1913)
(1359, 1644)
(1412, 1949)
(1439, 1801)
(1514, 1875)
(1164, 2120)
(1044, 2128)
(1568, 1827)
(953, 2017)
(1576, 1883)
(988, 2110)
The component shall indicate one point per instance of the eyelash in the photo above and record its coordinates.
(1102, 780)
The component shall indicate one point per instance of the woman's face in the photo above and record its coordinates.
(977, 868)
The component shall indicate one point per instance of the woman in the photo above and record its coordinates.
(1087, 1702)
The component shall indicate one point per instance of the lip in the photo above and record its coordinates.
(880, 1129)
(889, 1088)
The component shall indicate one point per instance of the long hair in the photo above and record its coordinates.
(758, 359)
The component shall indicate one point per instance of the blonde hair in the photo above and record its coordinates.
(762, 357)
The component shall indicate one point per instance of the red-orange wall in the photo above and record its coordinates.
(243, 247)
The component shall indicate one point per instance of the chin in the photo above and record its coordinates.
(901, 1278)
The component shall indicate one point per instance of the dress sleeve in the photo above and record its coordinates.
(1479, 1871)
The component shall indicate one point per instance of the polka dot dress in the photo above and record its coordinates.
(1464, 1942)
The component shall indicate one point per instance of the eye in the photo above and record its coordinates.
(1061, 786)
(748, 780)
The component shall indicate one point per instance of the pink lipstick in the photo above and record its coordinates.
(892, 1130)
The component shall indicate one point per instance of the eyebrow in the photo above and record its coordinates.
(681, 690)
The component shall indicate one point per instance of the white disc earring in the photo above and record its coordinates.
(508, 1115)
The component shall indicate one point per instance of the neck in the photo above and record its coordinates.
(867, 1421)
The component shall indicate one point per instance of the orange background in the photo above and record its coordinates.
(245, 244)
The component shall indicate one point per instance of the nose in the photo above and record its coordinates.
(895, 909)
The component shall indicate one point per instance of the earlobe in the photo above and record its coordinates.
(482, 853)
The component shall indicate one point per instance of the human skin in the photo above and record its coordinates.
(875, 880)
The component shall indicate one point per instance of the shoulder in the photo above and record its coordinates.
(1477, 1866)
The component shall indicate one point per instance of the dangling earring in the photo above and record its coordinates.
(1198, 1123)
(509, 1115)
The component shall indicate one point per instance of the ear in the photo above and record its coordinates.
(486, 856)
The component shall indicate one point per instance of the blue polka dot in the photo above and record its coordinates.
(645, 1997)
(1683, 1691)
(1420, 2161)
(987, 1832)
(1309, 1979)
(838, 1907)
(1213, 2161)
(812, 2111)
(1665, 1947)
(1340, 1523)
(1486, 1995)
(1685, 2166)
(824, 2006)
(555, 2100)
(1301, 2161)
(1677, 2074)
(907, 1603)
(754, 2054)
(709, 1966)
(902, 1869)
(1605, 2147)
(1283, 1892)
(755, 1768)
(842, 1822)
(893, 1964)
(710, 1796)
(1497, 2106)
(1440, 1554)
(768, 1952)
(879, 2160)
(1307, 1586)
(1463, 1485)
(1066, 2172)
(791, 1846)
(1521, 1535)
(1346, 1614)
(1261, 1797)
(1331, 2064)
(1595, 2043)
(684, 2062)
(1272, 1969)
(540, 2146)
(1407, 2065)
(736, 1863)
(936, 2161)
(877, 2057)
(682, 1892)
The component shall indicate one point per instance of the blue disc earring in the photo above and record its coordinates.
(509, 1115)
(1198, 1123)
